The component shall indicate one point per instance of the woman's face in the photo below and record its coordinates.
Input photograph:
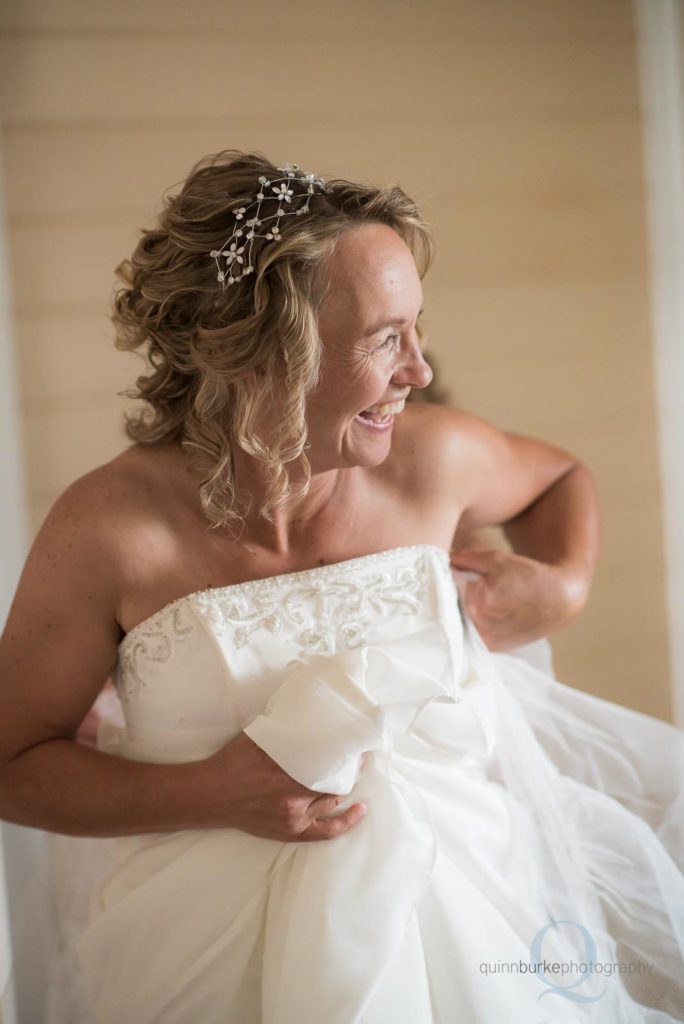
(371, 353)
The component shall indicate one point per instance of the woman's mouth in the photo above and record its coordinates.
(380, 417)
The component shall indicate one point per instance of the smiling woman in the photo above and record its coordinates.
(368, 362)
(225, 371)
(332, 787)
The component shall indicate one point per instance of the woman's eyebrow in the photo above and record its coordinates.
(397, 322)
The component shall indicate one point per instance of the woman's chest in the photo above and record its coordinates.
(181, 556)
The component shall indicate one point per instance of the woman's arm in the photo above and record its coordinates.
(546, 503)
(562, 527)
(63, 786)
(59, 644)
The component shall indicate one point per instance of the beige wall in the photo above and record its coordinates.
(517, 125)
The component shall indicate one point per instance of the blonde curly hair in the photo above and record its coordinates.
(219, 359)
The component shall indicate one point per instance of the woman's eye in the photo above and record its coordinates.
(392, 337)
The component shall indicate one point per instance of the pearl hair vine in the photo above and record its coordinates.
(232, 252)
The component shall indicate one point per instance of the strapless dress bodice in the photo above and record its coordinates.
(204, 666)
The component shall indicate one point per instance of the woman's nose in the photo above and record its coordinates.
(414, 370)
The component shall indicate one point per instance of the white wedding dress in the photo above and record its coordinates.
(514, 824)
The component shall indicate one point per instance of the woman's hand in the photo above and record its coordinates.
(255, 795)
(517, 599)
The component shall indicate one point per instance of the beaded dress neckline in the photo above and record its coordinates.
(300, 575)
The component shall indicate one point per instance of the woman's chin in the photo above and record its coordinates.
(368, 446)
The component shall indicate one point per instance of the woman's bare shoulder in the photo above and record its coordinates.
(62, 631)
(427, 437)
(491, 473)
(115, 486)
(117, 506)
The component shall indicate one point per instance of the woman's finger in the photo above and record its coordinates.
(328, 828)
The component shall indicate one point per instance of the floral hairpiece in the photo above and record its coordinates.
(232, 252)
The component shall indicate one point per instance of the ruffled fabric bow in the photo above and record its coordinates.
(354, 895)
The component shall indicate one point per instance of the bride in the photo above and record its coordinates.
(336, 791)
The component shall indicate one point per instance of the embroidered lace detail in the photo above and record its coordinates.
(154, 640)
(340, 609)
(322, 609)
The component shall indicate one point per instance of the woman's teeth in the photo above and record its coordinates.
(383, 412)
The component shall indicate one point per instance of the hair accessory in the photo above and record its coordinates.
(273, 190)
